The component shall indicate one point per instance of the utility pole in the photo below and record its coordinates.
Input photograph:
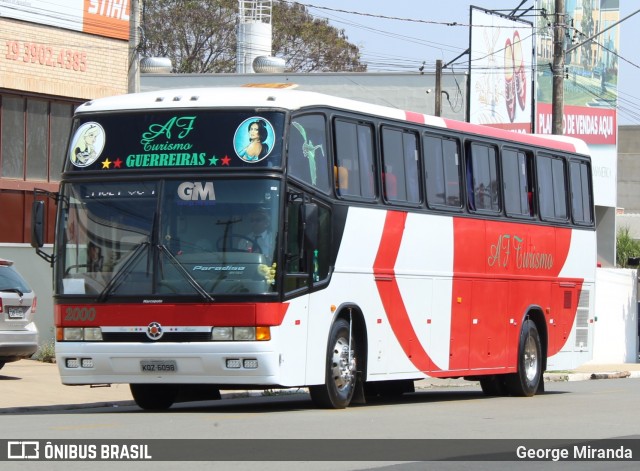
(438, 97)
(557, 105)
(134, 43)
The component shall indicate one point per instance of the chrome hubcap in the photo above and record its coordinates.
(343, 364)
(530, 358)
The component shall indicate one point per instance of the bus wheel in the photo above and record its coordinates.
(154, 396)
(526, 381)
(340, 375)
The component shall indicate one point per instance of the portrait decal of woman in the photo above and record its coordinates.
(253, 139)
(87, 144)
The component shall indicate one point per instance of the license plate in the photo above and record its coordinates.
(16, 312)
(158, 366)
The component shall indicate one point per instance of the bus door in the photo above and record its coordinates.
(306, 267)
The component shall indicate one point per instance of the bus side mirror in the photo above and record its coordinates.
(37, 224)
(37, 230)
(311, 224)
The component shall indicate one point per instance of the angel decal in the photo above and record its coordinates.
(309, 151)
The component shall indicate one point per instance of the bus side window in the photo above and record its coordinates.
(482, 170)
(517, 183)
(442, 171)
(551, 187)
(354, 159)
(580, 193)
(400, 156)
(308, 153)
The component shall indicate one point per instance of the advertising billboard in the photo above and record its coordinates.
(590, 82)
(591, 69)
(500, 67)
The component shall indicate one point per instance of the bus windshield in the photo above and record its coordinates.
(168, 238)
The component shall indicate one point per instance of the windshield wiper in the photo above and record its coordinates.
(121, 274)
(192, 281)
(12, 290)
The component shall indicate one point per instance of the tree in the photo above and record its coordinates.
(626, 247)
(195, 34)
(311, 45)
(199, 36)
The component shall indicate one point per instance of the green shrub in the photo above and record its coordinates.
(46, 352)
(626, 246)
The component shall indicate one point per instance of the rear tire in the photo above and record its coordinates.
(154, 396)
(527, 379)
(340, 370)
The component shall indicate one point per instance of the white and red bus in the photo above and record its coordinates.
(257, 238)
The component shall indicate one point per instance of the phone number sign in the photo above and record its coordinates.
(47, 56)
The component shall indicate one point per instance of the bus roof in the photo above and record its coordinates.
(290, 99)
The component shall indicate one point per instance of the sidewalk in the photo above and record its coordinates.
(31, 385)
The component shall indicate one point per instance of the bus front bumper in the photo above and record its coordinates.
(228, 363)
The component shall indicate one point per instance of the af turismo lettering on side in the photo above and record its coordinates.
(502, 255)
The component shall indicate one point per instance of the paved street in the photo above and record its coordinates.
(29, 384)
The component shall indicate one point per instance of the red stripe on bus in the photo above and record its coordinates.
(415, 117)
(389, 291)
(510, 135)
(247, 314)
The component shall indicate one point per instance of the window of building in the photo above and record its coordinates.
(33, 140)
(37, 142)
(13, 137)
(33, 137)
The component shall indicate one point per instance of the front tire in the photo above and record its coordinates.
(527, 379)
(154, 396)
(340, 373)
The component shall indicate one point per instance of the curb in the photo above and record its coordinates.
(553, 377)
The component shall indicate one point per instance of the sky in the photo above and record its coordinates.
(426, 33)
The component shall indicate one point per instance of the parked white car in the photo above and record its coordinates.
(18, 332)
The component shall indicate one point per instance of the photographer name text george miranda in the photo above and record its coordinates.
(575, 453)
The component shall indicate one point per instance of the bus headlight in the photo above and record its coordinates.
(244, 333)
(222, 333)
(240, 334)
(79, 334)
(72, 334)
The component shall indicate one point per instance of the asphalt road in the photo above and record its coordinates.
(583, 410)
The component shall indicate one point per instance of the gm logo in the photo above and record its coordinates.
(196, 191)
(23, 450)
